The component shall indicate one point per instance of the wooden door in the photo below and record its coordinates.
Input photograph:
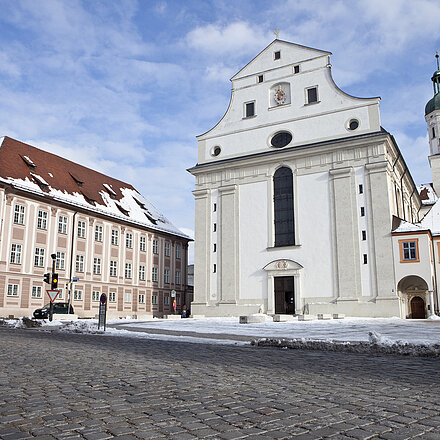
(418, 308)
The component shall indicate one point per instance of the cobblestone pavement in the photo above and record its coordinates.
(68, 386)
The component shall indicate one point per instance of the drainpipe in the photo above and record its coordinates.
(71, 263)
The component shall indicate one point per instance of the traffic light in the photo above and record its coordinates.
(46, 278)
(54, 281)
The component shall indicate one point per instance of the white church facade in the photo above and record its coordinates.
(298, 190)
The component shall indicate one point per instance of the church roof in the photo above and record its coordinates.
(30, 169)
(433, 104)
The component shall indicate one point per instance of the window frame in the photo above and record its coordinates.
(283, 202)
(62, 224)
(19, 213)
(115, 237)
(81, 229)
(142, 243)
(36, 292)
(167, 249)
(42, 219)
(113, 268)
(128, 270)
(154, 274)
(60, 260)
(97, 266)
(99, 233)
(39, 257)
(129, 240)
(13, 290)
(246, 106)
(155, 246)
(141, 272)
(402, 250)
(79, 263)
(15, 255)
(308, 102)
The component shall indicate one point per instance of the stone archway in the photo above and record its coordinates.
(413, 291)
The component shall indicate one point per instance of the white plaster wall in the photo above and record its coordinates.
(423, 268)
(314, 229)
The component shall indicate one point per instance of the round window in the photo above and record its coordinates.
(353, 124)
(216, 151)
(281, 139)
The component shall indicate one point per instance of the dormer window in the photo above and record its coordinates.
(27, 160)
(249, 109)
(78, 181)
(109, 189)
(277, 55)
(123, 210)
(40, 181)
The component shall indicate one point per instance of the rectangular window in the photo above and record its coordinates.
(127, 298)
(154, 299)
(62, 224)
(409, 251)
(12, 290)
(167, 249)
(361, 189)
(98, 232)
(296, 69)
(60, 260)
(277, 55)
(113, 266)
(129, 240)
(215, 247)
(177, 276)
(215, 268)
(214, 227)
(433, 132)
(260, 78)
(19, 214)
(15, 253)
(312, 95)
(42, 220)
(112, 297)
(249, 109)
(362, 211)
(155, 247)
(81, 229)
(215, 207)
(142, 244)
(364, 235)
(77, 295)
(127, 270)
(154, 274)
(39, 257)
(166, 300)
(142, 273)
(141, 298)
(166, 276)
(36, 292)
(79, 263)
(97, 266)
(178, 248)
(115, 237)
(95, 295)
(365, 259)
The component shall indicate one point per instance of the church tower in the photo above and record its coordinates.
(432, 116)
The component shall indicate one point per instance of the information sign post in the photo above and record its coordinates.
(102, 311)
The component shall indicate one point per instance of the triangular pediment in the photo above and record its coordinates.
(291, 53)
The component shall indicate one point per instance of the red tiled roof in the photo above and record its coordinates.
(64, 174)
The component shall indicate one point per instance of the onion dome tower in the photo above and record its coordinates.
(432, 117)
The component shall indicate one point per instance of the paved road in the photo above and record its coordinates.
(67, 386)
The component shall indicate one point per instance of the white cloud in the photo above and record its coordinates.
(233, 39)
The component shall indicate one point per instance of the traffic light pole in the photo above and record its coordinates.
(53, 271)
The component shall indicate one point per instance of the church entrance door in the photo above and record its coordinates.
(418, 308)
(284, 296)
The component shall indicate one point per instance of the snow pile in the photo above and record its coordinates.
(377, 344)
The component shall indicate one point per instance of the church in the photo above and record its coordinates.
(304, 202)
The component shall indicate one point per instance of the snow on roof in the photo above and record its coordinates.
(86, 190)
(29, 161)
(39, 179)
(432, 219)
(427, 194)
(405, 226)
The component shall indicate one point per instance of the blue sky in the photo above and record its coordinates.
(125, 86)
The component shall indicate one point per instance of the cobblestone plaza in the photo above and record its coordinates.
(63, 386)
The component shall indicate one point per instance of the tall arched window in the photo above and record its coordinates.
(283, 207)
